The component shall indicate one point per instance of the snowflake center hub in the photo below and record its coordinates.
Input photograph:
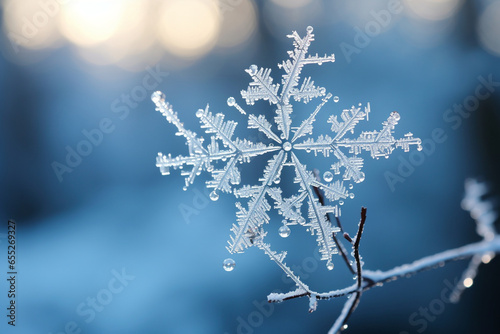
(287, 146)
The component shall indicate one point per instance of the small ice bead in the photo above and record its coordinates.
(336, 99)
(157, 97)
(253, 69)
(199, 113)
(328, 176)
(310, 29)
(329, 265)
(284, 231)
(228, 264)
(287, 146)
(231, 101)
(214, 196)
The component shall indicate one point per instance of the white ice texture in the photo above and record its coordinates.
(223, 153)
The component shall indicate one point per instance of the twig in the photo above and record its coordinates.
(376, 278)
(352, 303)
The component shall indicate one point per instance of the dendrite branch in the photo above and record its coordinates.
(339, 245)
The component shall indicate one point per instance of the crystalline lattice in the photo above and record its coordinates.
(228, 152)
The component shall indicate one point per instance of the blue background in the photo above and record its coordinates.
(115, 211)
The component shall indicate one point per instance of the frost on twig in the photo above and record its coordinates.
(481, 210)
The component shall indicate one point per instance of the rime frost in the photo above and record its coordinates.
(224, 153)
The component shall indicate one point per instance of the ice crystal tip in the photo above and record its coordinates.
(283, 143)
(157, 97)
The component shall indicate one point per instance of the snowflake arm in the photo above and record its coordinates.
(350, 118)
(307, 125)
(165, 108)
(262, 87)
(289, 208)
(293, 67)
(249, 221)
(317, 213)
(279, 259)
(261, 123)
(379, 144)
(215, 124)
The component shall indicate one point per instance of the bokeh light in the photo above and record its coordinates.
(433, 10)
(31, 24)
(189, 28)
(291, 3)
(238, 24)
(89, 22)
(488, 27)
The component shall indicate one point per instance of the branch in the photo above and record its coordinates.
(374, 278)
(352, 303)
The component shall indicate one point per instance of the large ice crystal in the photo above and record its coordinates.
(224, 153)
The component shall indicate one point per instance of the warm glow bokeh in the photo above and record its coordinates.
(291, 3)
(238, 24)
(189, 27)
(130, 33)
(433, 10)
(29, 24)
(89, 22)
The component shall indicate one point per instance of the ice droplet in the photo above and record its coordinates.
(253, 69)
(231, 101)
(157, 97)
(284, 231)
(214, 196)
(310, 29)
(329, 265)
(328, 176)
(351, 186)
(336, 99)
(287, 146)
(351, 195)
(199, 113)
(228, 264)
(341, 202)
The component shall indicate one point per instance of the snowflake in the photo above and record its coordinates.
(251, 217)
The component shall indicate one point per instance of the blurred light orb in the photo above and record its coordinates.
(239, 21)
(189, 28)
(90, 22)
(488, 27)
(30, 23)
(291, 3)
(434, 10)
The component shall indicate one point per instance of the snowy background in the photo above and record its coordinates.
(70, 67)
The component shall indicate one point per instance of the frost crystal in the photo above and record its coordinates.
(282, 153)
